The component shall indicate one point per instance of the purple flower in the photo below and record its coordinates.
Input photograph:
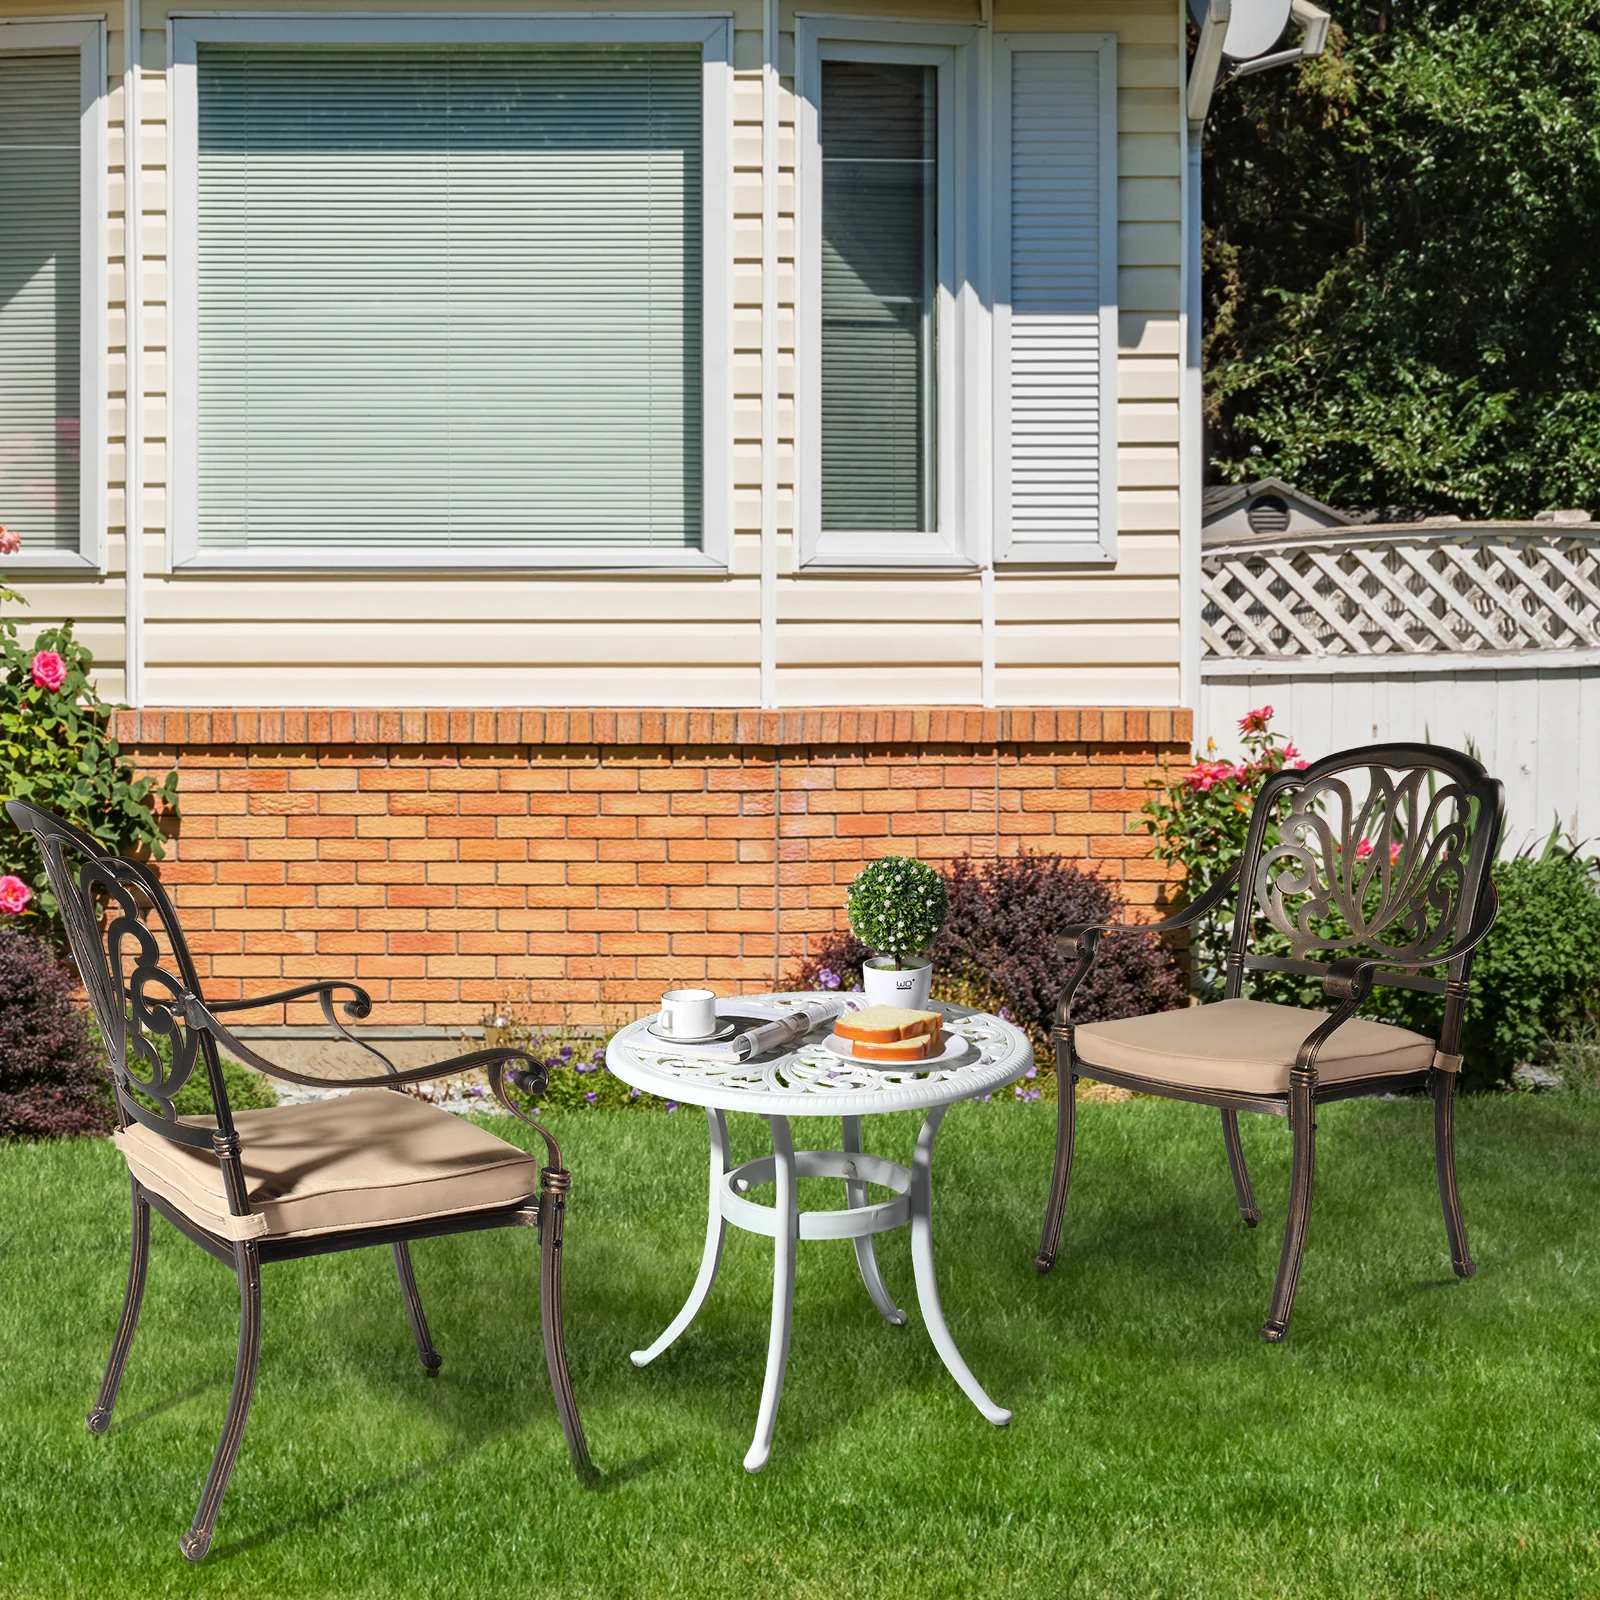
(672, 1105)
(1003, 1014)
(591, 1097)
(1032, 1072)
(566, 1052)
(633, 1094)
(828, 978)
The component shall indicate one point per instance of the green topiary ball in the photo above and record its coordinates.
(897, 906)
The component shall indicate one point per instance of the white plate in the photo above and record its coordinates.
(723, 1030)
(956, 1046)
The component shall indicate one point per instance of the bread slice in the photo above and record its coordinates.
(901, 1051)
(886, 1024)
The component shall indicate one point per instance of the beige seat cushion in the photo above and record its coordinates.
(1246, 1047)
(359, 1161)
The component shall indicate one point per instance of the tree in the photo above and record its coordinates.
(1402, 262)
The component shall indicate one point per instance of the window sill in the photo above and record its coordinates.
(631, 560)
(891, 551)
(50, 563)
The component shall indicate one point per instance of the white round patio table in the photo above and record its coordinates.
(811, 1081)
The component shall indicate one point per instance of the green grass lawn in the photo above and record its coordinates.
(1416, 1435)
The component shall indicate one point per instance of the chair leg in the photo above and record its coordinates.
(1061, 1176)
(1248, 1209)
(1303, 1135)
(100, 1418)
(429, 1357)
(1444, 1155)
(247, 1262)
(553, 1187)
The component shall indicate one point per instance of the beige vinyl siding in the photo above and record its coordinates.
(1070, 637)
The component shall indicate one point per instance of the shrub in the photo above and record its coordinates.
(999, 945)
(51, 1081)
(56, 751)
(1536, 978)
(1200, 819)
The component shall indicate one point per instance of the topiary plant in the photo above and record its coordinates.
(51, 1082)
(897, 906)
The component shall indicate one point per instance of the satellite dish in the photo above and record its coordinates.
(1254, 26)
(1249, 27)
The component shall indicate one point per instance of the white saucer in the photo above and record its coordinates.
(956, 1046)
(723, 1030)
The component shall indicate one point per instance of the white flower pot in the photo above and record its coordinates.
(885, 985)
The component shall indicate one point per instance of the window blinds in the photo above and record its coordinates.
(1051, 373)
(40, 223)
(449, 296)
(879, 288)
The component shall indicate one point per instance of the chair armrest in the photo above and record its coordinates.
(1350, 979)
(1352, 973)
(359, 1007)
(202, 1018)
(1069, 941)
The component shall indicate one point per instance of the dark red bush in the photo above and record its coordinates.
(1000, 936)
(51, 1083)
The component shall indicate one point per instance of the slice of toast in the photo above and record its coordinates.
(886, 1024)
(901, 1051)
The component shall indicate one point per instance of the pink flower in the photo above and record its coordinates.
(1204, 775)
(49, 670)
(14, 895)
(1363, 850)
(10, 541)
(1255, 721)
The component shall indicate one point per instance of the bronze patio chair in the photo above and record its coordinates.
(1377, 857)
(270, 1185)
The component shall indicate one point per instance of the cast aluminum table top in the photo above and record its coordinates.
(812, 1081)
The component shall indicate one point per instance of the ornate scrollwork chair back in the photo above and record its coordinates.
(136, 969)
(1381, 853)
(251, 1186)
(1367, 868)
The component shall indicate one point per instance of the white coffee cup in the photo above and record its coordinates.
(688, 1013)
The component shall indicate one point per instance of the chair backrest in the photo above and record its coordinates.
(135, 964)
(1384, 851)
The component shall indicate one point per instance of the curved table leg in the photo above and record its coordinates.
(783, 1252)
(866, 1256)
(927, 1284)
(716, 1232)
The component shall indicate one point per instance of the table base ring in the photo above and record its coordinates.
(856, 1223)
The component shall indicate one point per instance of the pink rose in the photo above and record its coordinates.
(1255, 721)
(14, 895)
(49, 670)
(1363, 850)
(10, 541)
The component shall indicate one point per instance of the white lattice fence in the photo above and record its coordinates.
(1422, 592)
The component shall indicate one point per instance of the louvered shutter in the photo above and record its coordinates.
(1056, 322)
(449, 296)
(40, 223)
(879, 283)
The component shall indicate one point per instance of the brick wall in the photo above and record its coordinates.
(577, 862)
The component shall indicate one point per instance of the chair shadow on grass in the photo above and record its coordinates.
(171, 1403)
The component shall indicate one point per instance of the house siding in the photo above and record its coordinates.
(1069, 637)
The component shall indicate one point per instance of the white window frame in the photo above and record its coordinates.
(87, 36)
(1101, 551)
(712, 31)
(952, 50)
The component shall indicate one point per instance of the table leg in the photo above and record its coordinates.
(867, 1257)
(716, 1232)
(783, 1252)
(927, 1285)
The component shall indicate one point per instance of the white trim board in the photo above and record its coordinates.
(1010, 546)
(713, 31)
(86, 36)
(961, 411)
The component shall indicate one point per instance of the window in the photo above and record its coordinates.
(455, 296)
(883, 435)
(1055, 233)
(51, 322)
(879, 297)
